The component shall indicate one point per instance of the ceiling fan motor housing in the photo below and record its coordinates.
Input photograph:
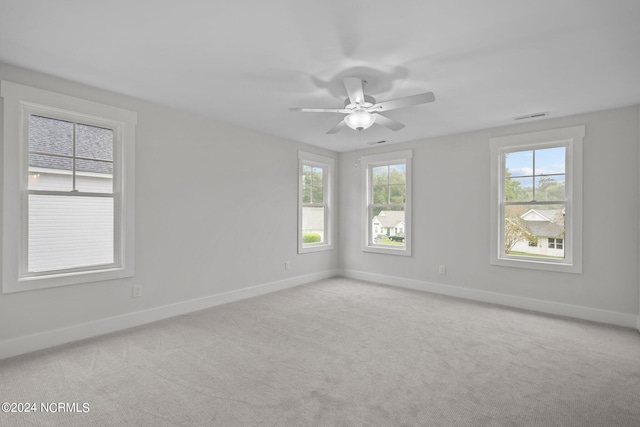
(369, 101)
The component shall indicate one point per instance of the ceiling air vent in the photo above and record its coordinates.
(531, 116)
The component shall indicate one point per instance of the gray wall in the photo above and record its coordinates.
(216, 211)
(451, 217)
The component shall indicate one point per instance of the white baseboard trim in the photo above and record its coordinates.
(561, 309)
(26, 344)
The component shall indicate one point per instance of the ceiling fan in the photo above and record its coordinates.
(363, 110)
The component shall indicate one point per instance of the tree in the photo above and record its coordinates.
(515, 228)
(549, 189)
(389, 187)
(513, 190)
(312, 190)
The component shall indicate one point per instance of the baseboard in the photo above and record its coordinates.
(561, 309)
(26, 344)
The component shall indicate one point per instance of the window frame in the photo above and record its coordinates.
(572, 139)
(328, 183)
(20, 102)
(367, 163)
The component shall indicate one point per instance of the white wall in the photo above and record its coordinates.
(451, 223)
(204, 190)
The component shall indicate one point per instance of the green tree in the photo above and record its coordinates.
(312, 184)
(389, 187)
(549, 189)
(513, 190)
(515, 228)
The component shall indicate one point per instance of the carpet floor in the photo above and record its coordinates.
(338, 352)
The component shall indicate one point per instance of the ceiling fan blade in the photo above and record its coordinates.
(421, 98)
(321, 110)
(337, 127)
(354, 89)
(388, 123)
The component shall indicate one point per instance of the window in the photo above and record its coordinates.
(536, 183)
(68, 190)
(387, 204)
(555, 243)
(315, 196)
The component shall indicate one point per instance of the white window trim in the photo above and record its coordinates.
(329, 185)
(366, 162)
(19, 100)
(572, 139)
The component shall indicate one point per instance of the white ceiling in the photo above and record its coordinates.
(247, 61)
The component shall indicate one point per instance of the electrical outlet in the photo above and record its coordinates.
(442, 269)
(287, 265)
(136, 291)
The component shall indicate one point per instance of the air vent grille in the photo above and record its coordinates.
(531, 116)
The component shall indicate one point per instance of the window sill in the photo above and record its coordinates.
(315, 248)
(386, 250)
(560, 267)
(64, 279)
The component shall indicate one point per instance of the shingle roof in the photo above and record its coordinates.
(545, 229)
(390, 218)
(552, 228)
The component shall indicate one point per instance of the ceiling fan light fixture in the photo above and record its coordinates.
(360, 120)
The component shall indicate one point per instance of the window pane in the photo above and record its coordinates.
(69, 232)
(380, 194)
(398, 174)
(306, 195)
(318, 172)
(387, 226)
(312, 184)
(380, 175)
(550, 161)
(306, 175)
(50, 136)
(550, 188)
(397, 193)
(94, 183)
(317, 194)
(313, 220)
(543, 224)
(94, 143)
(50, 173)
(518, 189)
(94, 176)
(519, 163)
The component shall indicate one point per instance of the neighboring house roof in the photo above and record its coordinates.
(390, 219)
(313, 218)
(543, 215)
(545, 222)
(51, 138)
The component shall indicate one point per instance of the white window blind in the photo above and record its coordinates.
(67, 232)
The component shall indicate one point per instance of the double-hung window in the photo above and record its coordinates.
(68, 190)
(315, 212)
(387, 203)
(536, 210)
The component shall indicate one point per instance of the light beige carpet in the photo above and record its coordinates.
(339, 353)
